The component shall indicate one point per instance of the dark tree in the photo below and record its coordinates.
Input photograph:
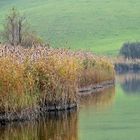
(131, 50)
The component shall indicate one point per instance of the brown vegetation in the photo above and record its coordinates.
(40, 75)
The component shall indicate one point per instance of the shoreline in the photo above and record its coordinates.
(126, 67)
(96, 87)
(33, 114)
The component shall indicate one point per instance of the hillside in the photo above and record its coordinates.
(97, 25)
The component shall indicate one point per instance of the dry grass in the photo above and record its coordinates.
(45, 75)
(95, 70)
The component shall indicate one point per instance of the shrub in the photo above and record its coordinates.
(131, 50)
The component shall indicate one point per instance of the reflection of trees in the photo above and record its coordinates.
(131, 86)
(60, 127)
(100, 99)
(130, 83)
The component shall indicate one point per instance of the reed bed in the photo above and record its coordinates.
(30, 77)
(95, 70)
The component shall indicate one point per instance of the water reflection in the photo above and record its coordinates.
(60, 127)
(130, 83)
(100, 99)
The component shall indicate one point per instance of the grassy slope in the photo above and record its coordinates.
(98, 25)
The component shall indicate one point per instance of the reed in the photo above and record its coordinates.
(41, 75)
(95, 70)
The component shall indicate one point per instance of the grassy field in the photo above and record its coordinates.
(97, 25)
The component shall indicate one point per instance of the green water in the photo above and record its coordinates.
(113, 114)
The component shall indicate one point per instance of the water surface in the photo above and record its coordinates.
(113, 114)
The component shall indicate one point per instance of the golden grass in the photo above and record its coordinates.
(95, 70)
(39, 75)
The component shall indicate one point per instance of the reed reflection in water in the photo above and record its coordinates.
(62, 126)
(100, 99)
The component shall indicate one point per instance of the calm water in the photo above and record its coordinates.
(113, 114)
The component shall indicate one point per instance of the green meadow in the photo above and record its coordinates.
(100, 26)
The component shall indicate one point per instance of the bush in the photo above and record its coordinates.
(131, 50)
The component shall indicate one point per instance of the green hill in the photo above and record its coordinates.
(98, 25)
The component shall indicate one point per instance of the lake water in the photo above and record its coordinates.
(113, 114)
